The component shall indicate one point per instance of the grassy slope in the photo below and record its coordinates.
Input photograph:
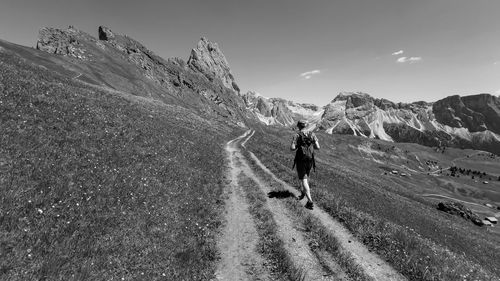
(385, 214)
(97, 186)
(118, 70)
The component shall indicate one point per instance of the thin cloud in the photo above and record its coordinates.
(401, 59)
(398, 53)
(496, 63)
(309, 74)
(409, 59)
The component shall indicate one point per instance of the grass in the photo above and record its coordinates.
(98, 186)
(317, 233)
(417, 240)
(270, 245)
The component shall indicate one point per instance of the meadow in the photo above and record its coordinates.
(98, 185)
(386, 212)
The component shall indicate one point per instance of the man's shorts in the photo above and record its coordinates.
(303, 169)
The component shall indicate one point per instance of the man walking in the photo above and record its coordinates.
(304, 143)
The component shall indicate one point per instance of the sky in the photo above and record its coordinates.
(305, 51)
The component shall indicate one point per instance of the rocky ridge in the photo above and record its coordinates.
(122, 63)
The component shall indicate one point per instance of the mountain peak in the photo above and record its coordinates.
(208, 59)
(343, 96)
(354, 99)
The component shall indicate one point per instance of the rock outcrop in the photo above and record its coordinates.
(208, 59)
(458, 209)
(63, 42)
(105, 33)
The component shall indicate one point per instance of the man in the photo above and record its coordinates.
(304, 143)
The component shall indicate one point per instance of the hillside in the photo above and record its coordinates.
(117, 164)
(101, 173)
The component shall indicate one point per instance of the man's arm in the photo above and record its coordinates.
(293, 145)
(316, 145)
(316, 142)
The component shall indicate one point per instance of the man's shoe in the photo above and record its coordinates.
(309, 205)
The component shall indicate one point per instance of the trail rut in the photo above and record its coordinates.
(237, 245)
(239, 260)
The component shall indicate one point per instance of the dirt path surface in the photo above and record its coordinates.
(237, 245)
(295, 243)
(240, 261)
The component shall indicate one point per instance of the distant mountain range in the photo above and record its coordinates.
(205, 84)
(468, 122)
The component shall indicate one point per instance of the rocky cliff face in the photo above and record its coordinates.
(275, 111)
(208, 59)
(477, 113)
(363, 115)
(122, 63)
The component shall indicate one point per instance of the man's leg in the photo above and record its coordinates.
(305, 186)
(302, 192)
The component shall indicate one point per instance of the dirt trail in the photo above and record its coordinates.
(240, 260)
(295, 243)
(451, 198)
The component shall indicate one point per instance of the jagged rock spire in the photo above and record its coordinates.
(208, 59)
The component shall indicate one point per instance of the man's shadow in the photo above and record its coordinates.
(281, 194)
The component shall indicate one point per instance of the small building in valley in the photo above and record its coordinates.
(493, 220)
(487, 223)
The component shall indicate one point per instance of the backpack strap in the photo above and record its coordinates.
(313, 163)
(296, 148)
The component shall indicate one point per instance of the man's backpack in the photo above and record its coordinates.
(305, 149)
